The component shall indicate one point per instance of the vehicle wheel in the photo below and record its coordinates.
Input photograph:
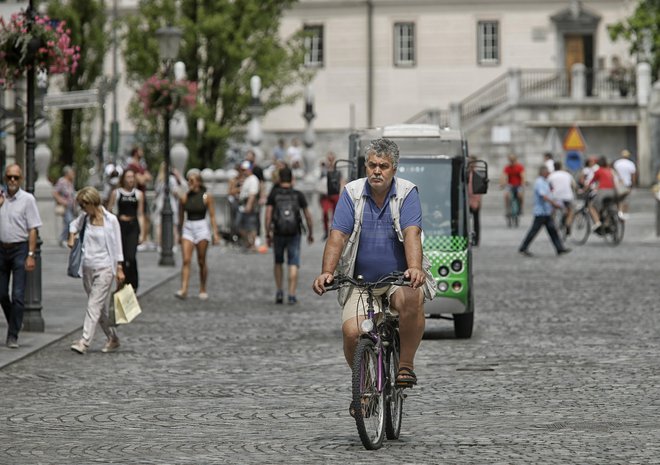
(581, 227)
(368, 402)
(394, 395)
(615, 228)
(463, 323)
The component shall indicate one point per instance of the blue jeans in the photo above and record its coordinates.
(66, 219)
(539, 222)
(12, 263)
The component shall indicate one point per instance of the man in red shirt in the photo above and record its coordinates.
(513, 179)
(603, 180)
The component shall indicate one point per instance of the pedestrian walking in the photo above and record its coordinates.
(474, 201)
(19, 221)
(64, 194)
(549, 162)
(248, 210)
(127, 202)
(283, 232)
(143, 177)
(101, 265)
(175, 185)
(195, 233)
(329, 198)
(543, 204)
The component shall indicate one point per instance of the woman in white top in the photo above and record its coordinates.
(101, 263)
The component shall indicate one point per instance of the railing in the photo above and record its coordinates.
(492, 94)
(431, 116)
(544, 84)
(535, 84)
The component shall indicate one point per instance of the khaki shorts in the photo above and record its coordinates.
(356, 305)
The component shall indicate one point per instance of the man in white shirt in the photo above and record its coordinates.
(563, 190)
(19, 221)
(548, 162)
(248, 210)
(627, 171)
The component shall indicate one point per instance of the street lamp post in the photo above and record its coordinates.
(309, 137)
(32, 319)
(169, 39)
(255, 109)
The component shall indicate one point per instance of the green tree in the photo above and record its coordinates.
(87, 21)
(641, 30)
(225, 42)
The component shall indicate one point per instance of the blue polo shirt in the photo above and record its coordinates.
(380, 252)
(541, 189)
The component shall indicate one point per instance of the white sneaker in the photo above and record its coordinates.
(79, 346)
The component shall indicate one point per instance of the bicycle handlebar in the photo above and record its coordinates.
(396, 278)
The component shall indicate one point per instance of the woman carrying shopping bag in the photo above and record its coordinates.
(101, 265)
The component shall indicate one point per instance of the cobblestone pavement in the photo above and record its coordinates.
(562, 368)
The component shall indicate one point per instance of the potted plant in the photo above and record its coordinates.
(159, 95)
(42, 43)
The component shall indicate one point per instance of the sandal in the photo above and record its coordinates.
(405, 378)
(365, 405)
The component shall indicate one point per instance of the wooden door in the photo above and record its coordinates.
(573, 53)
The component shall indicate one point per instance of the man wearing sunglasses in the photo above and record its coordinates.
(19, 220)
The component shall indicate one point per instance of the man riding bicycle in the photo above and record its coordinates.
(513, 179)
(364, 212)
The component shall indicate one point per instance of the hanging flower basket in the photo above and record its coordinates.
(161, 95)
(46, 46)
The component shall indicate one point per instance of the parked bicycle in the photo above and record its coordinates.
(612, 227)
(377, 403)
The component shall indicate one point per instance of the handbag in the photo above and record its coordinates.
(76, 253)
(60, 209)
(126, 305)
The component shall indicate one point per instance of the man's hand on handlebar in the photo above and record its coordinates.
(416, 276)
(321, 281)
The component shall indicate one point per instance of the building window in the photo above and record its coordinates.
(488, 43)
(404, 44)
(313, 46)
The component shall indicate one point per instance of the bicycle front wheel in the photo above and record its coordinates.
(393, 395)
(581, 227)
(368, 401)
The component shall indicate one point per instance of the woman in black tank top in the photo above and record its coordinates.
(127, 203)
(194, 232)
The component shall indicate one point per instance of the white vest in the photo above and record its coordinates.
(346, 263)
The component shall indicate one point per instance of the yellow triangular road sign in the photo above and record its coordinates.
(574, 140)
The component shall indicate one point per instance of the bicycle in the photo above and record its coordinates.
(513, 213)
(612, 227)
(377, 403)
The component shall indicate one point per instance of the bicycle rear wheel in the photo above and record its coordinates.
(368, 402)
(393, 396)
(614, 229)
(581, 227)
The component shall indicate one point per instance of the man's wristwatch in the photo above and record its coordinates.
(30, 254)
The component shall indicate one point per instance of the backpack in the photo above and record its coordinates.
(286, 215)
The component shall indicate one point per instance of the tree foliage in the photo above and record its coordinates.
(225, 43)
(643, 23)
(87, 21)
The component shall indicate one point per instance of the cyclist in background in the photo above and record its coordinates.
(604, 180)
(513, 180)
(563, 189)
